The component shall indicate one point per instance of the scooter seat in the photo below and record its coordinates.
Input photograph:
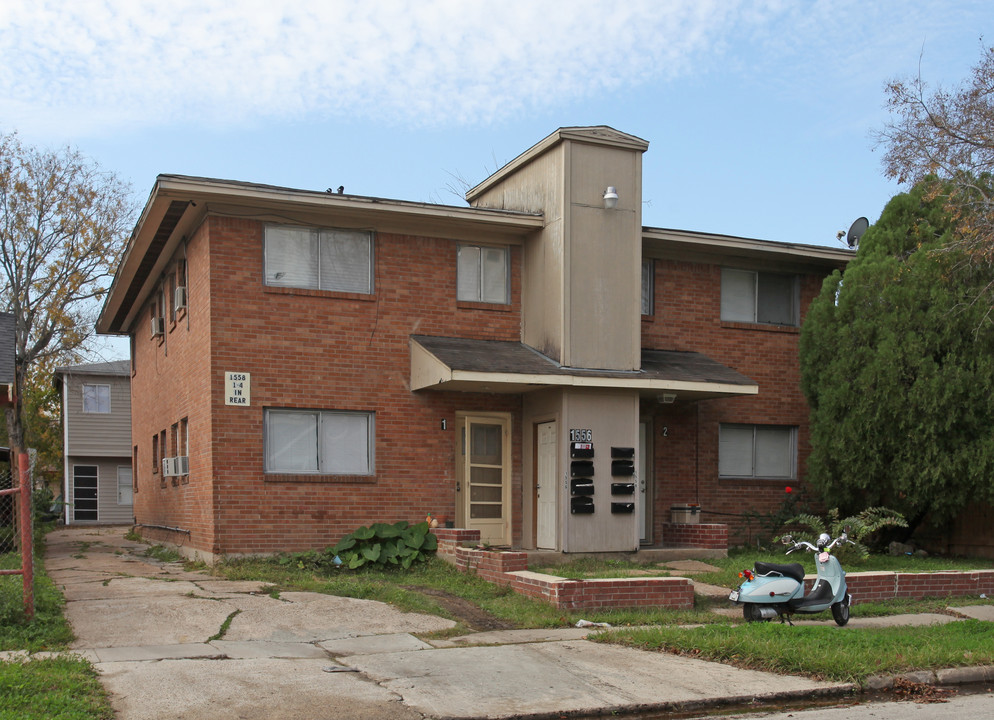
(792, 570)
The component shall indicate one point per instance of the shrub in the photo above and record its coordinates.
(381, 545)
(859, 527)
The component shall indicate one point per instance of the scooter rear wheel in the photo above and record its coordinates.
(750, 611)
(840, 611)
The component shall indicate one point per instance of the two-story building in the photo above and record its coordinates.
(96, 437)
(538, 365)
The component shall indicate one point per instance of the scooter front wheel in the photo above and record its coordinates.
(840, 611)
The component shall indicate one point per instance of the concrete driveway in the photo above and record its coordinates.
(154, 633)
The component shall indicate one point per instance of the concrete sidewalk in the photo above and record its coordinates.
(153, 631)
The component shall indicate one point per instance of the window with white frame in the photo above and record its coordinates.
(483, 274)
(757, 451)
(319, 259)
(323, 442)
(759, 297)
(96, 398)
(648, 287)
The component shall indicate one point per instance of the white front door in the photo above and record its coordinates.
(545, 485)
(484, 476)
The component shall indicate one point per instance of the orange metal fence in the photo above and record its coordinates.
(25, 536)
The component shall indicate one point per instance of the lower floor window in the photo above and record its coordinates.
(757, 451)
(324, 442)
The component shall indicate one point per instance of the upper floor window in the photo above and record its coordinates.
(757, 451)
(324, 442)
(648, 287)
(339, 260)
(483, 274)
(96, 398)
(759, 297)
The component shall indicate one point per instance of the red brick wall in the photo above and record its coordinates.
(874, 586)
(313, 350)
(685, 434)
(713, 536)
(172, 380)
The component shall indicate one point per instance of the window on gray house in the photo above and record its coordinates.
(96, 398)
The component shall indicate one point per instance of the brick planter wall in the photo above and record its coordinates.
(713, 536)
(511, 569)
(873, 586)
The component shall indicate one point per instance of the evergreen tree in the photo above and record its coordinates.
(897, 363)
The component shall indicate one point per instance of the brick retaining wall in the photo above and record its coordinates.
(511, 569)
(874, 586)
(713, 536)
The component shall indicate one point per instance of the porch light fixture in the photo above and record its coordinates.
(610, 198)
(667, 398)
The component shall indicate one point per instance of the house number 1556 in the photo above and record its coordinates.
(581, 435)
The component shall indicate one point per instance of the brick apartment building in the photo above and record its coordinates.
(537, 365)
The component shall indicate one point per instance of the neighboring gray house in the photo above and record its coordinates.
(7, 353)
(96, 427)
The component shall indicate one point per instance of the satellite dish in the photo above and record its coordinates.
(856, 231)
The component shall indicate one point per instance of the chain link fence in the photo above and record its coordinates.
(8, 510)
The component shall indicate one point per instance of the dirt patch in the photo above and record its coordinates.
(470, 615)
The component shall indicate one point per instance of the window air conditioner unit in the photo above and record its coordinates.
(182, 465)
(157, 326)
(169, 466)
(179, 299)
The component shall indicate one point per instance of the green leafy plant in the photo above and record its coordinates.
(859, 528)
(382, 544)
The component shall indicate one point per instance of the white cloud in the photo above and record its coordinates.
(99, 66)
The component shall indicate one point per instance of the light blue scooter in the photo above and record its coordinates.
(771, 590)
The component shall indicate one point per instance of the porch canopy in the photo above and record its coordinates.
(495, 366)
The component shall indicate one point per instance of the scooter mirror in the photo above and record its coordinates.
(787, 540)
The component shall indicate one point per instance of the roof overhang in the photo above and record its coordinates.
(178, 204)
(691, 246)
(493, 366)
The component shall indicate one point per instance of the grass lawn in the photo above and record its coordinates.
(832, 653)
(59, 688)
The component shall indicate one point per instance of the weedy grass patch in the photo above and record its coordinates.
(61, 688)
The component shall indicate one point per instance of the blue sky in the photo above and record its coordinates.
(758, 114)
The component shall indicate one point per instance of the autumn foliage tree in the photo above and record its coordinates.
(945, 138)
(63, 223)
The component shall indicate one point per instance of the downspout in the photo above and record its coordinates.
(697, 455)
(65, 449)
